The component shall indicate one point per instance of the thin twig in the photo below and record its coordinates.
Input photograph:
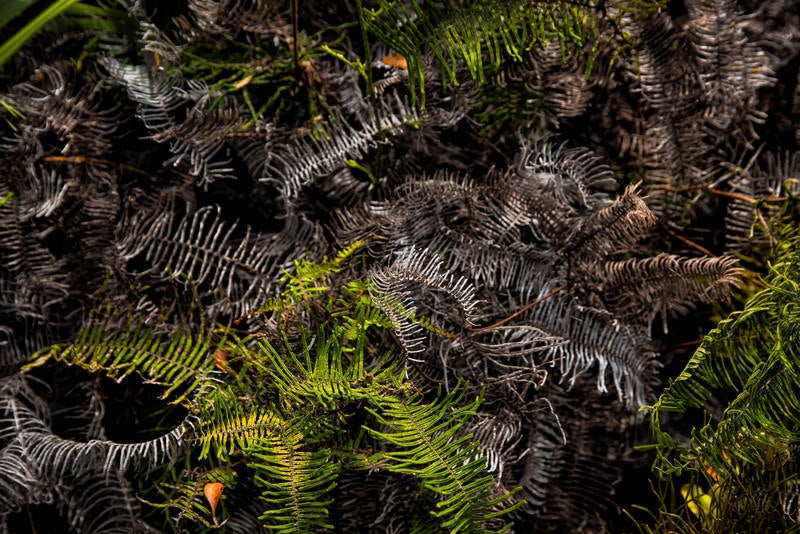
(520, 311)
(731, 194)
(719, 192)
(688, 241)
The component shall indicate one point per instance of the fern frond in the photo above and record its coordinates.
(21, 408)
(310, 278)
(57, 457)
(612, 230)
(295, 164)
(157, 94)
(479, 34)
(391, 291)
(566, 475)
(732, 67)
(104, 503)
(574, 178)
(228, 426)
(185, 496)
(596, 337)
(752, 353)
(195, 137)
(234, 266)
(37, 275)
(331, 378)
(427, 443)
(296, 483)
(181, 362)
(666, 284)
(20, 482)
(235, 15)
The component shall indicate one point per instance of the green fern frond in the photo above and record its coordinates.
(481, 34)
(185, 495)
(356, 313)
(328, 379)
(230, 426)
(179, 361)
(428, 444)
(753, 354)
(309, 278)
(296, 483)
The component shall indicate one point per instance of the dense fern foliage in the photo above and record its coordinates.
(398, 266)
(746, 459)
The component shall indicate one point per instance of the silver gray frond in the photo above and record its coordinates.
(395, 290)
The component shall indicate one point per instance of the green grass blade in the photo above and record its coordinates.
(18, 40)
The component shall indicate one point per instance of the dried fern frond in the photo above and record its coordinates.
(611, 230)
(666, 285)
(393, 291)
(499, 435)
(662, 66)
(199, 139)
(43, 191)
(232, 265)
(156, 93)
(76, 117)
(596, 338)
(762, 194)
(221, 17)
(541, 460)
(37, 276)
(302, 161)
(380, 500)
(21, 408)
(104, 503)
(575, 178)
(174, 112)
(732, 67)
(20, 483)
(672, 143)
(56, 458)
(567, 476)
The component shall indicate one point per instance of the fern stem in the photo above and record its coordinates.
(687, 241)
(520, 311)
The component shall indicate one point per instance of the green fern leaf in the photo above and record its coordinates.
(428, 445)
(179, 361)
(481, 34)
(754, 354)
(296, 483)
(229, 426)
